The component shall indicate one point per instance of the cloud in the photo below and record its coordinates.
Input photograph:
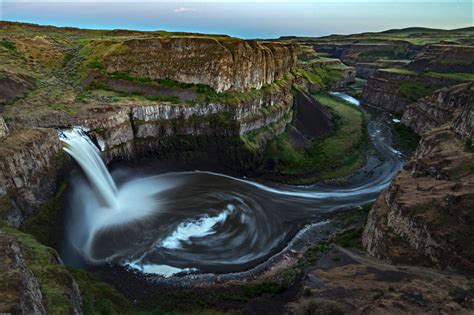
(183, 9)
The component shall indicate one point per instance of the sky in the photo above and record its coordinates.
(246, 19)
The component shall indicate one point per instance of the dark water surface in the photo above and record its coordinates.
(214, 223)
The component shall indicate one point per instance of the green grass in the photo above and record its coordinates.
(96, 64)
(405, 138)
(337, 155)
(452, 76)
(64, 108)
(417, 36)
(8, 45)
(353, 216)
(457, 76)
(413, 90)
(400, 71)
(468, 146)
(351, 238)
(43, 223)
(53, 278)
(99, 297)
(206, 94)
(323, 76)
(312, 254)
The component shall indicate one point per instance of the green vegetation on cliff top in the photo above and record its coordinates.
(337, 155)
(457, 76)
(324, 77)
(412, 35)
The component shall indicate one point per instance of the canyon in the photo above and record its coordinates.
(247, 106)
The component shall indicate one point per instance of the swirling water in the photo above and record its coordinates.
(202, 221)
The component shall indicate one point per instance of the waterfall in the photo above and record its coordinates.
(97, 203)
(87, 155)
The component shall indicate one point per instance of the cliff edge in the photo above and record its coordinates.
(426, 214)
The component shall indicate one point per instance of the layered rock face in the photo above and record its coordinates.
(446, 106)
(426, 214)
(354, 53)
(394, 90)
(443, 58)
(319, 74)
(223, 64)
(25, 295)
(368, 58)
(33, 279)
(30, 160)
(4, 132)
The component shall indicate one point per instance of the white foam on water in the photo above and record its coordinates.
(163, 270)
(346, 97)
(201, 227)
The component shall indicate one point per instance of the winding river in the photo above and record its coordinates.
(205, 222)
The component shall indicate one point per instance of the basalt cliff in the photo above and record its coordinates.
(425, 216)
(223, 64)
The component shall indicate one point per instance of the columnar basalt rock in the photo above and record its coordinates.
(123, 132)
(224, 64)
(353, 53)
(33, 279)
(446, 106)
(444, 58)
(385, 89)
(426, 216)
(3, 128)
(30, 160)
(24, 294)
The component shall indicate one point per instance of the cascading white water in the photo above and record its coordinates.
(98, 203)
(87, 155)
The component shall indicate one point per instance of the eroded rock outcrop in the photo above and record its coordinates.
(426, 214)
(446, 106)
(30, 160)
(4, 131)
(444, 58)
(353, 53)
(324, 74)
(312, 119)
(22, 291)
(224, 64)
(33, 279)
(394, 89)
(13, 86)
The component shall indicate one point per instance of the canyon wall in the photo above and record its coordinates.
(445, 59)
(33, 279)
(367, 58)
(425, 216)
(33, 164)
(32, 159)
(30, 163)
(447, 106)
(394, 89)
(222, 63)
(353, 53)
